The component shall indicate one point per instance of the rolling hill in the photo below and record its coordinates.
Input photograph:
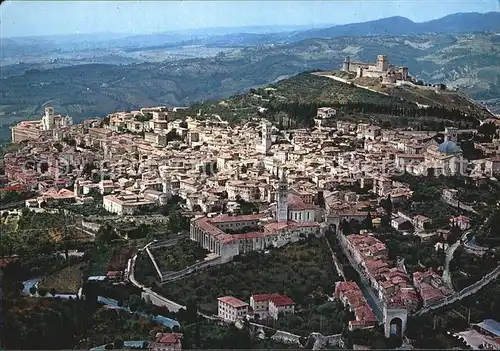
(456, 23)
(471, 61)
(294, 102)
(27, 49)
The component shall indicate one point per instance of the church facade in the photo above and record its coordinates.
(229, 235)
(445, 159)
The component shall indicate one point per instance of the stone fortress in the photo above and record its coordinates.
(380, 69)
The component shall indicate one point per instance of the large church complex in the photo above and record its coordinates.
(51, 125)
(292, 218)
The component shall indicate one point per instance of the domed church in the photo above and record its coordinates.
(449, 147)
(443, 159)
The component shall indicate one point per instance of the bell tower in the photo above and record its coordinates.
(266, 137)
(76, 188)
(167, 186)
(48, 118)
(282, 203)
(451, 134)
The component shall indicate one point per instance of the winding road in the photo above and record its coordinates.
(450, 251)
(156, 298)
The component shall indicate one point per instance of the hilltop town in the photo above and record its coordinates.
(402, 219)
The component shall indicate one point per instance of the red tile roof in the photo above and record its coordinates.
(274, 226)
(364, 313)
(232, 301)
(223, 218)
(261, 297)
(295, 203)
(277, 299)
(168, 338)
(282, 300)
(460, 218)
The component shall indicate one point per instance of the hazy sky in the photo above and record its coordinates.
(23, 18)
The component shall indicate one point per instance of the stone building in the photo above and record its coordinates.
(380, 69)
(231, 309)
(34, 130)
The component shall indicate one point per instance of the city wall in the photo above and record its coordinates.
(467, 291)
(172, 276)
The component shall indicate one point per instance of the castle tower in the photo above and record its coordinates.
(347, 64)
(382, 63)
(266, 137)
(282, 203)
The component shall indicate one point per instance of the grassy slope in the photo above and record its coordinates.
(298, 269)
(309, 88)
(180, 256)
(68, 280)
(303, 88)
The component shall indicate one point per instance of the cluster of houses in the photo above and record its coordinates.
(352, 297)
(135, 164)
(261, 307)
(391, 284)
(303, 181)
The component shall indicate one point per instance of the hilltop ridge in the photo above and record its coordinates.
(293, 102)
(398, 25)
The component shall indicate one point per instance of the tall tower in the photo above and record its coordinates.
(237, 173)
(347, 64)
(48, 118)
(266, 137)
(76, 188)
(382, 63)
(167, 187)
(282, 203)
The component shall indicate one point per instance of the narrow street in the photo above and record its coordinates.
(351, 273)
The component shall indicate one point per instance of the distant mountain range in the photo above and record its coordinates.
(48, 43)
(456, 23)
(249, 36)
(391, 26)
